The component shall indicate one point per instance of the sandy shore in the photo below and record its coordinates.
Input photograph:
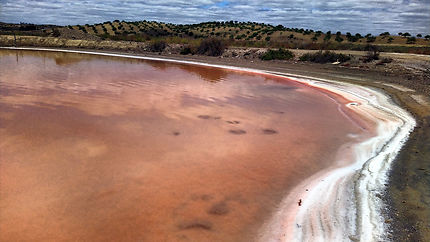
(359, 184)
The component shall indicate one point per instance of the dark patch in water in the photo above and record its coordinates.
(204, 116)
(289, 88)
(195, 224)
(283, 87)
(204, 197)
(208, 117)
(237, 131)
(219, 208)
(233, 122)
(269, 131)
(176, 133)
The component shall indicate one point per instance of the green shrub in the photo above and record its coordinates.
(372, 53)
(370, 39)
(280, 54)
(411, 40)
(211, 47)
(327, 36)
(324, 57)
(353, 38)
(157, 46)
(56, 32)
(338, 38)
(188, 50)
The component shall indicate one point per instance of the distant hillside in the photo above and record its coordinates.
(25, 28)
(235, 33)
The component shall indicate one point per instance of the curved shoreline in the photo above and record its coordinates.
(362, 180)
(353, 192)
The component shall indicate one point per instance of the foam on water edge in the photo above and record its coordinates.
(340, 204)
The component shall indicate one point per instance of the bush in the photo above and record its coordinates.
(56, 32)
(370, 47)
(280, 54)
(338, 38)
(211, 47)
(324, 57)
(385, 60)
(353, 38)
(327, 36)
(157, 46)
(188, 50)
(411, 40)
(370, 56)
(370, 39)
(372, 53)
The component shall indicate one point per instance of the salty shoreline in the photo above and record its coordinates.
(348, 197)
(373, 102)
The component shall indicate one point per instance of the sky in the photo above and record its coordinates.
(362, 16)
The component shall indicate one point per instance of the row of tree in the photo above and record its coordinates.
(255, 30)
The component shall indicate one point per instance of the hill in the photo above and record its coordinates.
(243, 34)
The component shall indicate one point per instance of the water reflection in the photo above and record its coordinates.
(206, 73)
(100, 148)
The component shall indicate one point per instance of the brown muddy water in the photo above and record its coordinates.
(111, 149)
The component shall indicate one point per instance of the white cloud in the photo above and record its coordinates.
(374, 16)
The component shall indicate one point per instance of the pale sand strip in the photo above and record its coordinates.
(423, 100)
(398, 87)
(340, 204)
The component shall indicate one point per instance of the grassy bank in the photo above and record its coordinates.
(9, 40)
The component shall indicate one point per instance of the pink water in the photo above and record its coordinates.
(110, 149)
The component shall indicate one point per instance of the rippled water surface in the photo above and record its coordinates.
(111, 149)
